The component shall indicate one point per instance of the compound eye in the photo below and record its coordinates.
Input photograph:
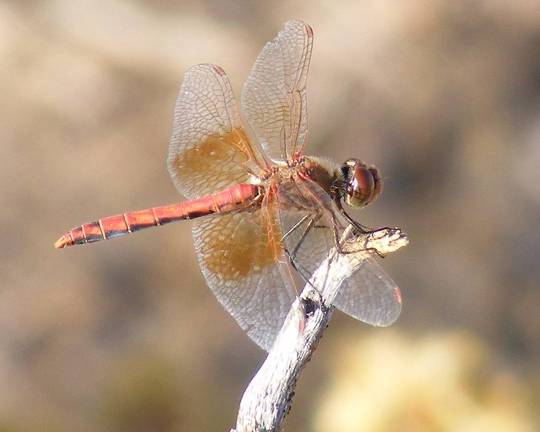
(363, 184)
(378, 182)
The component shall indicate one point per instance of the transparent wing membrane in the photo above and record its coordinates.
(369, 295)
(209, 149)
(239, 255)
(274, 97)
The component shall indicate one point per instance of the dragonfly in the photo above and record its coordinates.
(262, 209)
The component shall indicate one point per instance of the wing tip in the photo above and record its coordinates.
(397, 295)
(308, 30)
(207, 67)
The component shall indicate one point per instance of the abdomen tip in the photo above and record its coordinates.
(63, 241)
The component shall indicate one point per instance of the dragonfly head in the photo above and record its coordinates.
(361, 184)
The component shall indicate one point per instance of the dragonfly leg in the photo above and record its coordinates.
(361, 249)
(291, 261)
(307, 229)
(362, 229)
(304, 274)
(307, 305)
(301, 271)
(296, 225)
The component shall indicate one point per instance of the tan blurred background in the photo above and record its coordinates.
(444, 97)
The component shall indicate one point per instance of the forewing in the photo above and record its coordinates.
(274, 97)
(209, 149)
(239, 256)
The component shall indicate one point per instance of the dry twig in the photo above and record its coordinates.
(267, 399)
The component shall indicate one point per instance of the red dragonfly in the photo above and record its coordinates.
(260, 205)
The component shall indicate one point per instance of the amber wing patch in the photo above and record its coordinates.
(241, 265)
(217, 162)
(209, 149)
(249, 249)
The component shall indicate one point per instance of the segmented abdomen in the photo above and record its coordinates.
(234, 198)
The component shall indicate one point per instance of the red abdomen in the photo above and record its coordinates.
(237, 197)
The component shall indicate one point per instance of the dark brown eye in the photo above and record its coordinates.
(362, 183)
(378, 182)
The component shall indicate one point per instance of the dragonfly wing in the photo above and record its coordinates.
(305, 213)
(240, 256)
(274, 97)
(369, 294)
(309, 239)
(209, 149)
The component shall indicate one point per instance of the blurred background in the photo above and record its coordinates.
(444, 97)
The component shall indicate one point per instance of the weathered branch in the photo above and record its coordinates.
(267, 399)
